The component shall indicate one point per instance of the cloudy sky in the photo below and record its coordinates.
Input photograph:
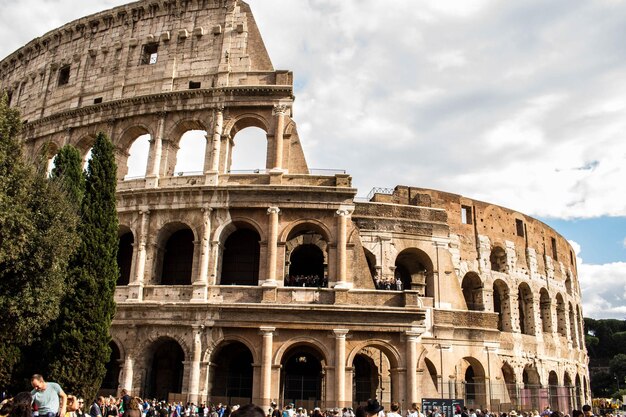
(520, 103)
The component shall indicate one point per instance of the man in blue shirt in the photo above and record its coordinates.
(48, 397)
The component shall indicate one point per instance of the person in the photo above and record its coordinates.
(79, 410)
(72, 406)
(587, 410)
(248, 410)
(97, 407)
(18, 406)
(373, 407)
(132, 409)
(48, 397)
(395, 408)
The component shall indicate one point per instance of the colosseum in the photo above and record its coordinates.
(278, 283)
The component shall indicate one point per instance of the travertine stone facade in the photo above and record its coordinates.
(270, 285)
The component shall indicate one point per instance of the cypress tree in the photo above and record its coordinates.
(37, 237)
(68, 172)
(81, 347)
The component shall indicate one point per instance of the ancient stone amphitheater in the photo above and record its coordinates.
(278, 284)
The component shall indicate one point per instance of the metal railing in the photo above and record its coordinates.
(379, 190)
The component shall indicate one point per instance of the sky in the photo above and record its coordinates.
(519, 103)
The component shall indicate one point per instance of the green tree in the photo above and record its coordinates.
(68, 172)
(37, 237)
(83, 340)
(617, 367)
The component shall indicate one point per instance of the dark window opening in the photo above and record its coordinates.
(149, 54)
(571, 257)
(178, 259)
(166, 372)
(466, 215)
(306, 267)
(240, 260)
(232, 376)
(193, 85)
(554, 254)
(498, 260)
(64, 75)
(125, 258)
(97, 100)
(519, 227)
(112, 367)
(365, 379)
(9, 97)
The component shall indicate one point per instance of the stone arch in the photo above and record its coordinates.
(502, 305)
(472, 287)
(45, 154)
(183, 257)
(510, 383)
(472, 374)
(215, 344)
(113, 369)
(370, 258)
(302, 378)
(237, 124)
(387, 348)
(84, 145)
(545, 308)
(296, 226)
(498, 259)
(525, 303)
(532, 384)
(182, 126)
(300, 341)
(226, 229)
(231, 373)
(414, 268)
(239, 259)
(572, 325)
(129, 145)
(147, 340)
(568, 283)
(433, 374)
(129, 134)
(180, 136)
(164, 364)
(125, 254)
(560, 315)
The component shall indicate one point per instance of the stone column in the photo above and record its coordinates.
(136, 285)
(266, 366)
(340, 367)
(127, 384)
(272, 247)
(194, 377)
(156, 151)
(342, 219)
(217, 139)
(279, 111)
(412, 337)
(200, 287)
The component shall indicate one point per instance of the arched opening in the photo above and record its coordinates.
(578, 394)
(137, 161)
(112, 376)
(473, 291)
(371, 265)
(191, 151)
(125, 255)
(248, 152)
(572, 326)
(414, 270)
(532, 385)
(545, 306)
(177, 255)
(240, 258)
(502, 305)
(567, 393)
(306, 257)
(231, 374)
(86, 159)
(509, 394)
(434, 377)
(306, 267)
(365, 379)
(474, 383)
(560, 315)
(165, 373)
(498, 259)
(302, 377)
(379, 384)
(568, 283)
(553, 388)
(526, 309)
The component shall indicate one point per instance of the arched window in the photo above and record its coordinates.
(165, 375)
(473, 291)
(191, 151)
(248, 152)
(125, 256)
(137, 161)
(240, 258)
(526, 309)
(545, 305)
(560, 314)
(306, 267)
(415, 270)
(502, 305)
(178, 258)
